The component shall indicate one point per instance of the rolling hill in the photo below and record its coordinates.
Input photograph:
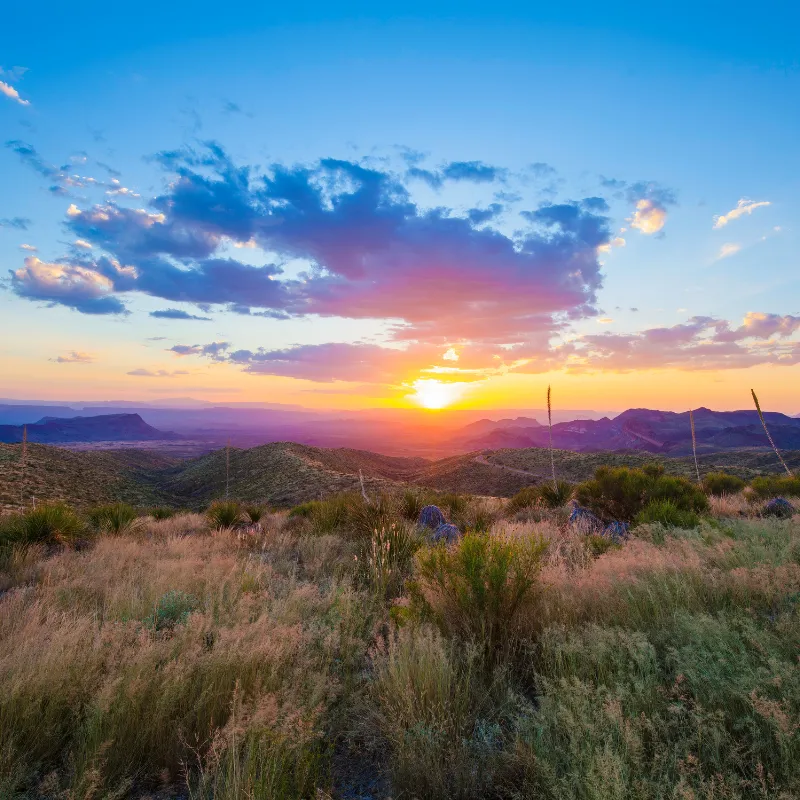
(285, 473)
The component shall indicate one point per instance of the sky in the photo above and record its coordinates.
(357, 205)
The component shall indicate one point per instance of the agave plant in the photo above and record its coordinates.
(254, 514)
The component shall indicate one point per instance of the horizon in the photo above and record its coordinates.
(420, 207)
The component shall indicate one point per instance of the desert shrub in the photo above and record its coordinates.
(173, 608)
(49, 524)
(767, 486)
(365, 518)
(721, 483)
(620, 493)
(114, 518)
(598, 544)
(161, 512)
(475, 589)
(224, 513)
(411, 502)
(669, 514)
(543, 495)
(653, 469)
(254, 513)
(452, 504)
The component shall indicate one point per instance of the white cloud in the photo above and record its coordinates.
(728, 249)
(29, 247)
(744, 206)
(10, 92)
(83, 244)
(648, 217)
(74, 357)
(616, 242)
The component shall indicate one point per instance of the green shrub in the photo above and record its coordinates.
(172, 609)
(769, 486)
(224, 513)
(600, 544)
(410, 503)
(620, 493)
(49, 524)
(720, 483)
(115, 518)
(668, 514)
(475, 589)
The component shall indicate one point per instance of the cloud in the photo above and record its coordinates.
(18, 223)
(75, 286)
(728, 249)
(651, 202)
(702, 343)
(176, 313)
(159, 373)
(83, 244)
(374, 253)
(29, 247)
(472, 171)
(744, 206)
(214, 350)
(74, 357)
(10, 92)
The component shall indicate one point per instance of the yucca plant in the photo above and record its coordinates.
(115, 518)
(254, 514)
(52, 523)
(556, 495)
(224, 513)
(766, 430)
(161, 512)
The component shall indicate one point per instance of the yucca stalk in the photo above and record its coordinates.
(550, 427)
(227, 467)
(766, 430)
(694, 445)
(363, 489)
(23, 462)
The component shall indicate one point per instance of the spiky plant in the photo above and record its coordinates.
(224, 513)
(254, 513)
(550, 428)
(115, 518)
(766, 430)
(694, 445)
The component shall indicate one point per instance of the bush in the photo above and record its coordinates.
(49, 524)
(620, 493)
(115, 518)
(224, 513)
(172, 609)
(475, 589)
(668, 514)
(386, 560)
(720, 483)
(769, 486)
(524, 498)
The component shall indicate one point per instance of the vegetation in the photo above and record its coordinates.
(721, 483)
(50, 524)
(224, 513)
(775, 486)
(114, 518)
(620, 493)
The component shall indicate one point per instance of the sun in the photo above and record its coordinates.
(433, 394)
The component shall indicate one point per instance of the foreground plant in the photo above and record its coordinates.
(49, 524)
(115, 518)
(766, 431)
(224, 514)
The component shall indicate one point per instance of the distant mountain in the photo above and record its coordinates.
(646, 429)
(101, 428)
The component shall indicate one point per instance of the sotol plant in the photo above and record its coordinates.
(550, 428)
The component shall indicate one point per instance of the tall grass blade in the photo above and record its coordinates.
(766, 430)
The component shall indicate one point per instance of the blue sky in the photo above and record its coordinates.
(691, 110)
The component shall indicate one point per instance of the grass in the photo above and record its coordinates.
(324, 657)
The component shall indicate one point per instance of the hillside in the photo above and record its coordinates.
(101, 428)
(285, 473)
(83, 479)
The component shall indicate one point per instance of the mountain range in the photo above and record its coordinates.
(641, 429)
(100, 428)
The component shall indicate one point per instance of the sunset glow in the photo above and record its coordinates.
(433, 394)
